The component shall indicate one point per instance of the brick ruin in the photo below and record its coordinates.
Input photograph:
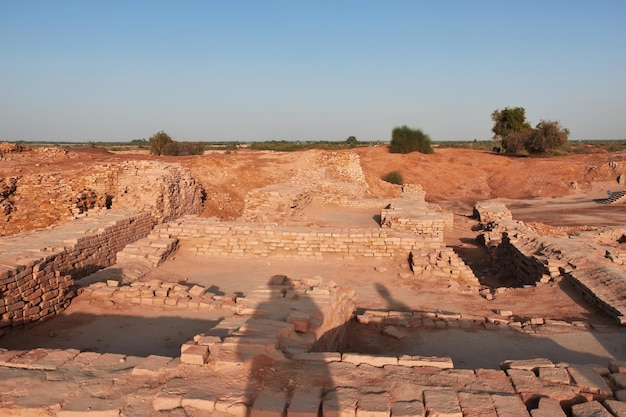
(130, 218)
(591, 261)
(166, 191)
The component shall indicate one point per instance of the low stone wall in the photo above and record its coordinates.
(518, 262)
(441, 320)
(39, 269)
(411, 212)
(210, 237)
(285, 317)
(491, 211)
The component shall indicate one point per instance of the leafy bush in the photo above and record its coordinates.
(162, 144)
(406, 140)
(547, 135)
(394, 177)
(158, 142)
(289, 146)
(507, 122)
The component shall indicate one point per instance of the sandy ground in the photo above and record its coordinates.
(539, 191)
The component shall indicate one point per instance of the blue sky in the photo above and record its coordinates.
(307, 70)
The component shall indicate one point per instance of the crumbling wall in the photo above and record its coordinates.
(274, 203)
(529, 258)
(519, 263)
(411, 212)
(491, 211)
(39, 269)
(167, 191)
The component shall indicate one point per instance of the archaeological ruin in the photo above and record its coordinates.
(283, 347)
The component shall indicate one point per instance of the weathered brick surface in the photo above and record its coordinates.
(166, 191)
(530, 258)
(40, 269)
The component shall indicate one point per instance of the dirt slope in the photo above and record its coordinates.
(453, 178)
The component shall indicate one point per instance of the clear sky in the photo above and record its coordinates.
(307, 70)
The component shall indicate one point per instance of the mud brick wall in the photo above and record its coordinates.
(165, 190)
(595, 270)
(518, 262)
(442, 263)
(38, 269)
(276, 202)
(293, 316)
(491, 211)
(210, 237)
(424, 223)
(334, 306)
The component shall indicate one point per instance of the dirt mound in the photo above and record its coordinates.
(453, 178)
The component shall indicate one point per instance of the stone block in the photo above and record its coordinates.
(476, 404)
(373, 404)
(341, 402)
(374, 360)
(300, 321)
(554, 375)
(200, 398)
(167, 401)
(195, 355)
(509, 405)
(442, 403)
(56, 359)
(548, 407)
(589, 380)
(305, 403)
(197, 291)
(616, 366)
(617, 408)
(408, 409)
(434, 361)
(590, 409)
(527, 364)
(268, 404)
(152, 365)
(619, 380)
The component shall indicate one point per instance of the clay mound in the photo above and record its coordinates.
(6, 147)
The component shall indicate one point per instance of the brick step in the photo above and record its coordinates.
(153, 249)
(616, 197)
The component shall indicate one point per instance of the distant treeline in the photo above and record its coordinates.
(572, 147)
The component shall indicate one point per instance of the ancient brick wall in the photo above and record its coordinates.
(529, 258)
(38, 269)
(210, 237)
(167, 191)
(518, 262)
(411, 212)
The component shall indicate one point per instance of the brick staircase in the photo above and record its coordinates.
(616, 197)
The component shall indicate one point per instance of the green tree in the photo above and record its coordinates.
(159, 142)
(351, 141)
(547, 135)
(405, 140)
(508, 121)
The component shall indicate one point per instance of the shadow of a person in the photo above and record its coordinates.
(280, 325)
(392, 304)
